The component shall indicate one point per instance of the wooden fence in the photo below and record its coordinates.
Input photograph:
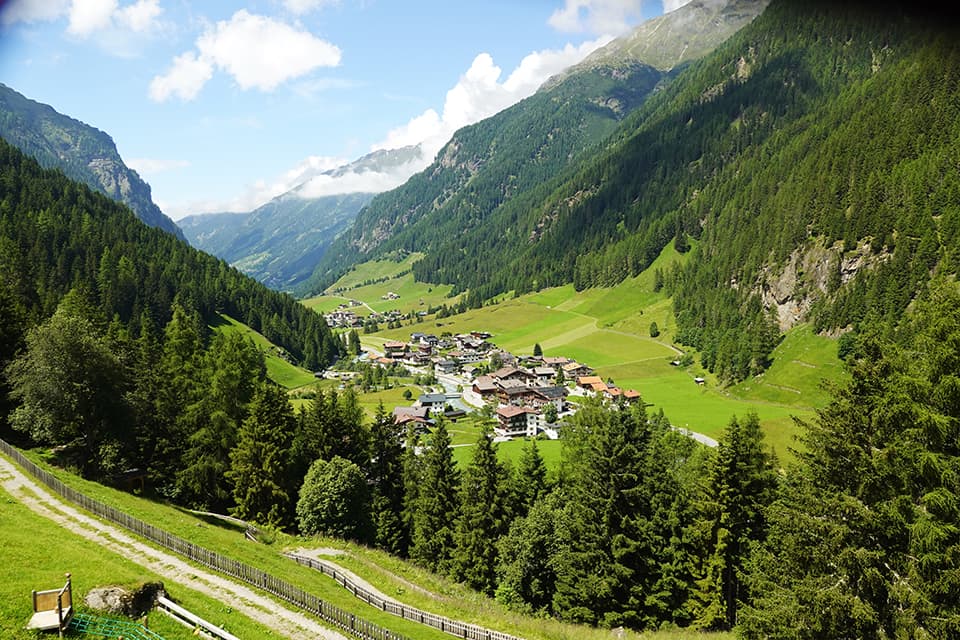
(453, 627)
(335, 616)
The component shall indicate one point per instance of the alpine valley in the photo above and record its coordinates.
(670, 347)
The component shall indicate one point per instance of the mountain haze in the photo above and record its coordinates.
(280, 242)
(82, 152)
(493, 170)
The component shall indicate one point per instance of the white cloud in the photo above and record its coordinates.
(480, 94)
(141, 16)
(300, 7)
(153, 166)
(87, 16)
(257, 51)
(358, 182)
(673, 5)
(32, 11)
(598, 16)
(186, 77)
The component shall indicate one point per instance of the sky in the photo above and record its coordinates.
(222, 105)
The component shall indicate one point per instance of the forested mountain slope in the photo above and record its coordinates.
(280, 242)
(503, 165)
(57, 235)
(811, 156)
(82, 152)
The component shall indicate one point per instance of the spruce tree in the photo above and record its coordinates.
(385, 475)
(437, 504)
(483, 517)
(259, 463)
(529, 480)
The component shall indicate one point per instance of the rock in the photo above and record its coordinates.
(121, 601)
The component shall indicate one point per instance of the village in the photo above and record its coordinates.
(526, 395)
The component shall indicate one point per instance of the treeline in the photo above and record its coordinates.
(57, 235)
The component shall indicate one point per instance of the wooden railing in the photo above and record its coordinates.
(453, 627)
(333, 615)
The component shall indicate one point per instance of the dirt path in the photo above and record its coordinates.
(324, 555)
(264, 610)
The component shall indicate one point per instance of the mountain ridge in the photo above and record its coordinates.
(84, 153)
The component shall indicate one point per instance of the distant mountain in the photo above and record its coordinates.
(83, 153)
(491, 172)
(281, 242)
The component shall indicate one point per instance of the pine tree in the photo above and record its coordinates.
(259, 462)
(743, 484)
(385, 475)
(483, 517)
(529, 480)
(437, 504)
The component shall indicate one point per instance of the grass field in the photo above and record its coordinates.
(279, 370)
(28, 539)
(36, 553)
(609, 330)
(384, 276)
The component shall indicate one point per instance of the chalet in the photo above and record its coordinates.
(433, 402)
(486, 387)
(513, 374)
(446, 366)
(419, 416)
(517, 421)
(465, 357)
(542, 396)
(589, 383)
(481, 335)
(631, 396)
(557, 362)
(394, 349)
(545, 375)
(573, 370)
(516, 394)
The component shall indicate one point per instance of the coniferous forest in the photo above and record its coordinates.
(821, 127)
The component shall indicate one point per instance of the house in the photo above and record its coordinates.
(517, 421)
(588, 383)
(394, 349)
(446, 366)
(513, 375)
(631, 396)
(573, 370)
(486, 387)
(700, 381)
(557, 362)
(515, 393)
(419, 416)
(433, 402)
(542, 396)
(545, 375)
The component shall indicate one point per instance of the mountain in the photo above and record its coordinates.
(493, 170)
(58, 235)
(83, 153)
(280, 242)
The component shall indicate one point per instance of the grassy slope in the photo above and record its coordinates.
(609, 330)
(414, 296)
(279, 370)
(377, 567)
(36, 553)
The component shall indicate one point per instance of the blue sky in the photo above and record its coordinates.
(222, 105)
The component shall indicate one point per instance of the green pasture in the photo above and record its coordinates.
(228, 539)
(374, 270)
(37, 552)
(279, 370)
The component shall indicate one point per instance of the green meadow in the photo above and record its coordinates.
(383, 277)
(279, 370)
(609, 330)
(37, 552)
